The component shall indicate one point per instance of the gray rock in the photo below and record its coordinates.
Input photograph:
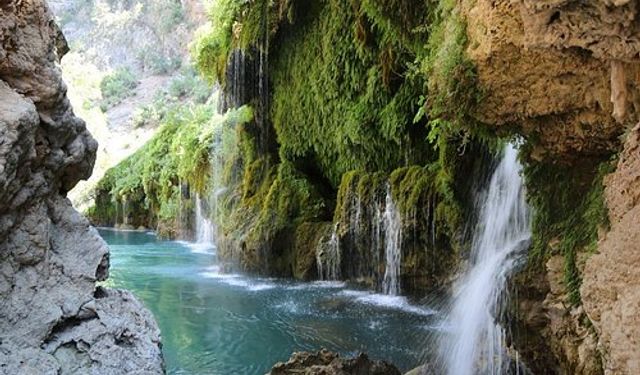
(325, 362)
(53, 320)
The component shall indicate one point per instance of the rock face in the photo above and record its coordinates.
(548, 87)
(611, 286)
(565, 73)
(52, 318)
(328, 363)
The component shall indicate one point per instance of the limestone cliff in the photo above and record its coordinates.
(565, 75)
(53, 319)
(611, 287)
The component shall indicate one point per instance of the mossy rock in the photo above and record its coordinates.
(307, 239)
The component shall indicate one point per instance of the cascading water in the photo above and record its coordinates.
(204, 226)
(125, 212)
(373, 234)
(328, 258)
(476, 343)
(393, 238)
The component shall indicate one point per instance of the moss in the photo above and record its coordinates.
(569, 212)
(335, 102)
(307, 238)
(453, 90)
(349, 105)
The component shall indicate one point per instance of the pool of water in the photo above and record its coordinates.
(216, 323)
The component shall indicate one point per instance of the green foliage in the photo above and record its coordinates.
(452, 79)
(332, 102)
(189, 85)
(185, 89)
(170, 11)
(177, 155)
(117, 86)
(235, 24)
(158, 62)
(354, 86)
(567, 212)
(214, 43)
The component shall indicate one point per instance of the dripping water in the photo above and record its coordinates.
(204, 225)
(392, 224)
(125, 212)
(328, 257)
(476, 342)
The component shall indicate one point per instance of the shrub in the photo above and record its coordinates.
(117, 86)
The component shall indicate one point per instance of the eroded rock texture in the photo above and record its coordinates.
(556, 93)
(328, 363)
(611, 285)
(52, 320)
(565, 74)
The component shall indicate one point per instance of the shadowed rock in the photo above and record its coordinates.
(327, 363)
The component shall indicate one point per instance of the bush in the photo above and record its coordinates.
(116, 87)
(158, 62)
(189, 85)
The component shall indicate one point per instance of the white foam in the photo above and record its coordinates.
(289, 306)
(329, 284)
(232, 279)
(318, 285)
(246, 284)
(387, 301)
(198, 248)
(374, 325)
(213, 272)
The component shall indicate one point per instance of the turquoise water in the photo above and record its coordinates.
(215, 323)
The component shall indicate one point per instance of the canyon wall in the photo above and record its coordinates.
(358, 101)
(53, 318)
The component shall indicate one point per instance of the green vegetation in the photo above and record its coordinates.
(116, 87)
(568, 214)
(364, 95)
(147, 34)
(354, 86)
(178, 155)
(452, 85)
(184, 89)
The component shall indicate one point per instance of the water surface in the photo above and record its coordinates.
(215, 323)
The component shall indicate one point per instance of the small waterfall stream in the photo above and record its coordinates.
(476, 344)
(328, 258)
(204, 225)
(383, 236)
(392, 224)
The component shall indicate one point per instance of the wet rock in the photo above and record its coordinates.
(328, 363)
(50, 257)
(611, 282)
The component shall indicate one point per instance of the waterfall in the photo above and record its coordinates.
(125, 212)
(371, 237)
(328, 257)
(392, 224)
(204, 226)
(476, 343)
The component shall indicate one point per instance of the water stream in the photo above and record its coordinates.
(204, 225)
(217, 323)
(393, 239)
(476, 343)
